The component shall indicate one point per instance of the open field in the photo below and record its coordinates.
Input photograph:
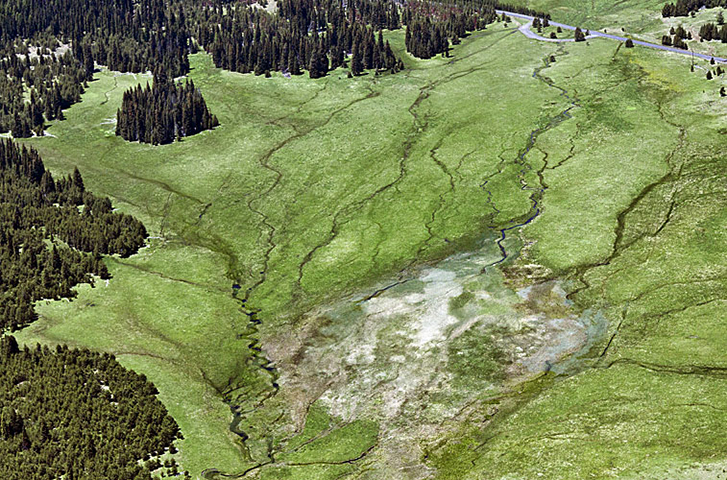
(634, 15)
(314, 194)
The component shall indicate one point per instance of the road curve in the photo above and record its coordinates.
(525, 29)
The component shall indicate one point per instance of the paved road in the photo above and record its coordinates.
(525, 29)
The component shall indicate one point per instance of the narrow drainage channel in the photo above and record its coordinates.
(536, 196)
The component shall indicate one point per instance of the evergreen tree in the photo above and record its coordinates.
(41, 215)
(163, 113)
(356, 61)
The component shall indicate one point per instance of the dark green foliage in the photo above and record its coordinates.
(312, 34)
(431, 27)
(580, 36)
(125, 35)
(710, 31)
(682, 8)
(77, 414)
(52, 234)
(67, 38)
(163, 113)
(629, 43)
(54, 81)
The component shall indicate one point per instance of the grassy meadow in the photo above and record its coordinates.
(311, 190)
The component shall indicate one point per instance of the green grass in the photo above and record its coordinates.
(652, 403)
(306, 190)
(633, 16)
(691, 24)
(313, 190)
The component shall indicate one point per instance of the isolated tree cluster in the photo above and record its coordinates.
(52, 234)
(163, 113)
(78, 415)
(712, 31)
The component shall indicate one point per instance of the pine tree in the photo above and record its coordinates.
(356, 61)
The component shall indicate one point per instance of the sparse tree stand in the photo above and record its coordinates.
(579, 36)
(629, 43)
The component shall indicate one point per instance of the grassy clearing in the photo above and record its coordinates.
(303, 193)
(310, 190)
(653, 401)
(634, 16)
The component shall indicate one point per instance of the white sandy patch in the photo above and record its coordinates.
(429, 309)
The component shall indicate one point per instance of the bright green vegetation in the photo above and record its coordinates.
(311, 192)
(303, 182)
(597, 14)
(653, 401)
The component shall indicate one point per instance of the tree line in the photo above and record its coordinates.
(163, 113)
(313, 35)
(125, 35)
(52, 234)
(49, 49)
(683, 8)
(78, 415)
(52, 77)
(432, 27)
